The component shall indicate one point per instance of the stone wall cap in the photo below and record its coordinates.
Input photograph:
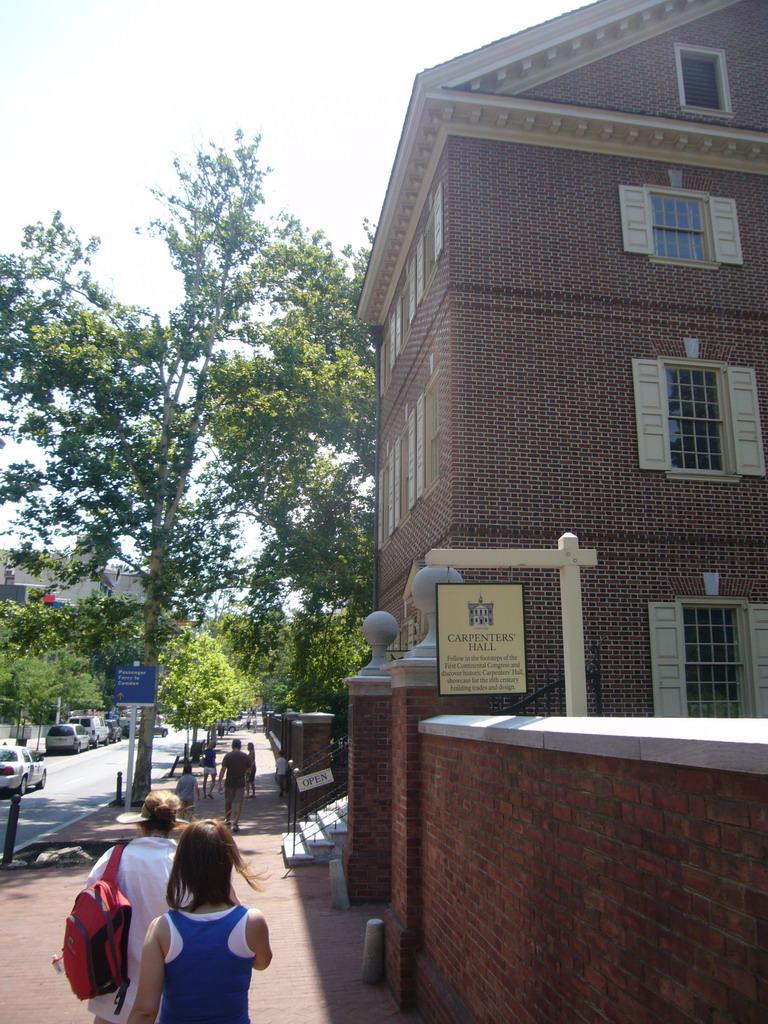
(731, 744)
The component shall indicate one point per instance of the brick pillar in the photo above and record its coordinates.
(316, 733)
(414, 697)
(367, 854)
(310, 735)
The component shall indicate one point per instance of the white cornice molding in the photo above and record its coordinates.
(453, 99)
(536, 123)
(563, 44)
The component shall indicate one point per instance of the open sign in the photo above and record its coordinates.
(321, 778)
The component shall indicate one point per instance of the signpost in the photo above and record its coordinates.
(568, 558)
(480, 638)
(135, 686)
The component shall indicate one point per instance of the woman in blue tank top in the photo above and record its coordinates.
(199, 956)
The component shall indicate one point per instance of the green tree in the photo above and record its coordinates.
(310, 489)
(255, 401)
(118, 402)
(200, 685)
(62, 681)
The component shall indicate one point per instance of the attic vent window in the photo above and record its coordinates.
(702, 79)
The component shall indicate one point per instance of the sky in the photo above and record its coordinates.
(97, 97)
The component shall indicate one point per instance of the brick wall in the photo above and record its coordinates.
(368, 852)
(643, 80)
(534, 317)
(567, 886)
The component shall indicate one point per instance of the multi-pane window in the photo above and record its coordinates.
(415, 282)
(411, 464)
(713, 662)
(695, 419)
(698, 417)
(678, 228)
(680, 224)
(433, 435)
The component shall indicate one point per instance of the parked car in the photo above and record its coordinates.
(115, 730)
(68, 738)
(94, 725)
(159, 728)
(21, 769)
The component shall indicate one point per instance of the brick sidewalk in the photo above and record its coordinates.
(314, 977)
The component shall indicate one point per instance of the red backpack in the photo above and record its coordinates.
(95, 954)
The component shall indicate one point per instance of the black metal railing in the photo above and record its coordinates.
(302, 805)
(549, 698)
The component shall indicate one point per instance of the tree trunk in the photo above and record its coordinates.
(142, 776)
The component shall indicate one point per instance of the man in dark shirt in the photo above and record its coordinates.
(234, 765)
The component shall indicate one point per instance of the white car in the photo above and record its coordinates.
(21, 769)
(94, 725)
(68, 738)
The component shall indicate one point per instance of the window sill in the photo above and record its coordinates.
(699, 264)
(726, 115)
(715, 478)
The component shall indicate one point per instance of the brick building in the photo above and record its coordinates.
(569, 281)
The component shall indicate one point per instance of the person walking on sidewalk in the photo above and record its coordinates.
(142, 874)
(250, 778)
(281, 768)
(198, 958)
(234, 765)
(187, 791)
(209, 766)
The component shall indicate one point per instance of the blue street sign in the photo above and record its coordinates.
(135, 684)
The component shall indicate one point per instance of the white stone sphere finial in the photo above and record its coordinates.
(424, 597)
(380, 629)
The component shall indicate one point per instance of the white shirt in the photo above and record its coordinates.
(143, 876)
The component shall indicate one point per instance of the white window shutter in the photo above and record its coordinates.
(384, 365)
(745, 421)
(391, 350)
(397, 470)
(636, 223)
(725, 230)
(438, 220)
(391, 493)
(412, 459)
(398, 325)
(382, 503)
(411, 290)
(420, 449)
(758, 632)
(651, 414)
(667, 660)
(420, 268)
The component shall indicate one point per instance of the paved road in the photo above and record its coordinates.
(77, 785)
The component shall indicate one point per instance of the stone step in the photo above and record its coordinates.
(295, 851)
(319, 838)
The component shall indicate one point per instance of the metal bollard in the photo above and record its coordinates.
(10, 832)
(119, 789)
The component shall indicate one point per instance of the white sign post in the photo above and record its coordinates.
(568, 559)
(135, 687)
(131, 756)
